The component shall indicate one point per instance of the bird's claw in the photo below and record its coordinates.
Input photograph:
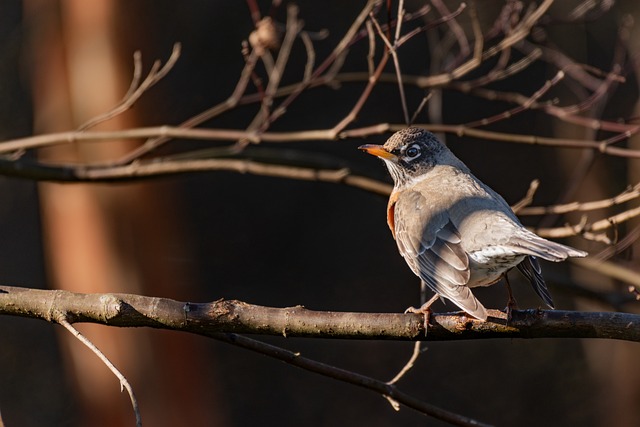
(425, 310)
(511, 305)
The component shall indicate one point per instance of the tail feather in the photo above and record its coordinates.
(531, 244)
(530, 268)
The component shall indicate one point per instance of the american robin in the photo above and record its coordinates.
(455, 232)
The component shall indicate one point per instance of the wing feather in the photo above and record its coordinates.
(430, 244)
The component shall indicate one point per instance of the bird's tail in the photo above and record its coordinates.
(532, 244)
(530, 268)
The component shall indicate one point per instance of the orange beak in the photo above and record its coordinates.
(378, 151)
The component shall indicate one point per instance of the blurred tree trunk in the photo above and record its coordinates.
(626, 396)
(101, 238)
(589, 176)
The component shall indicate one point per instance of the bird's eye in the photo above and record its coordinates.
(412, 152)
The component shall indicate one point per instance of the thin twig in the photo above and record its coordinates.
(527, 199)
(137, 89)
(624, 243)
(417, 350)
(311, 58)
(583, 228)
(421, 106)
(167, 132)
(349, 377)
(353, 114)
(526, 105)
(396, 62)
(337, 52)
(443, 79)
(124, 383)
(455, 28)
(372, 48)
(145, 169)
(265, 117)
(373, 80)
(521, 31)
(610, 269)
(603, 146)
(157, 140)
(631, 193)
(562, 62)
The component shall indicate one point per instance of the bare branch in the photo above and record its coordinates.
(143, 169)
(311, 57)
(124, 383)
(24, 168)
(265, 116)
(337, 53)
(353, 114)
(585, 228)
(421, 106)
(417, 350)
(619, 246)
(630, 193)
(455, 28)
(385, 389)
(521, 31)
(125, 310)
(156, 140)
(611, 269)
(528, 198)
(137, 89)
(526, 104)
(562, 62)
(165, 132)
(394, 54)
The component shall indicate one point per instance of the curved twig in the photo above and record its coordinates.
(124, 383)
(350, 377)
(137, 88)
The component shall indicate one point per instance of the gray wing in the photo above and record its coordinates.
(430, 244)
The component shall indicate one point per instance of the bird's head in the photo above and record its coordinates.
(409, 154)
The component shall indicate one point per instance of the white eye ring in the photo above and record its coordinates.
(412, 152)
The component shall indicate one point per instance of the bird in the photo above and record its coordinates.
(454, 231)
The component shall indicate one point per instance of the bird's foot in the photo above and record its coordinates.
(425, 310)
(511, 305)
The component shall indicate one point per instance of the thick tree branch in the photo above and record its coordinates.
(210, 319)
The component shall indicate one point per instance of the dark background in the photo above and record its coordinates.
(278, 242)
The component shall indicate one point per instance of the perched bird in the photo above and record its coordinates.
(455, 232)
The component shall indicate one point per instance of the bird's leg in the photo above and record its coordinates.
(511, 302)
(425, 309)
